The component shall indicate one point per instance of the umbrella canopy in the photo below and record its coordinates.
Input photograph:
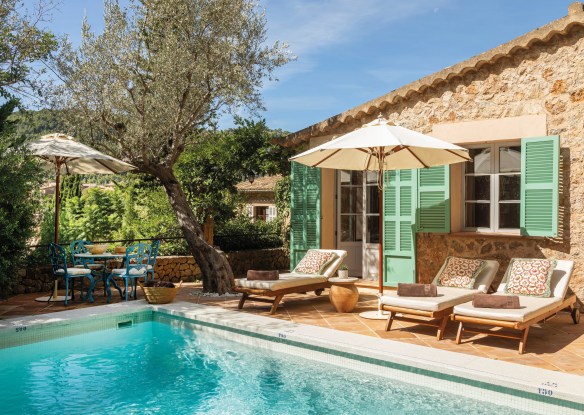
(380, 145)
(66, 156)
(72, 157)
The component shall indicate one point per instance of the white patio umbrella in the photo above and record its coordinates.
(64, 155)
(381, 146)
(67, 156)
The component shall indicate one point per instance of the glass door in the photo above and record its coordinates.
(350, 229)
(371, 219)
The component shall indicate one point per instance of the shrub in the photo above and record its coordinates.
(20, 177)
(241, 233)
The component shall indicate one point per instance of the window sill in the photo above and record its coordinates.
(471, 234)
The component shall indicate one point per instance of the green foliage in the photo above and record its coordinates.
(70, 186)
(136, 208)
(241, 233)
(22, 43)
(19, 180)
(282, 199)
(210, 171)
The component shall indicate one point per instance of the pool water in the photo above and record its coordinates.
(156, 368)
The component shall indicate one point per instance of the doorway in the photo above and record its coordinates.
(358, 221)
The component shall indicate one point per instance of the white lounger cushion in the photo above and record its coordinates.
(287, 280)
(74, 271)
(530, 307)
(447, 296)
(292, 279)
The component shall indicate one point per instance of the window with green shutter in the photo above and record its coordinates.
(433, 201)
(540, 158)
(304, 211)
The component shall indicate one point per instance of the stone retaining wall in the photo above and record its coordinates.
(168, 268)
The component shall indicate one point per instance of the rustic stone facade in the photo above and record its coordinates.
(541, 73)
(546, 79)
(168, 268)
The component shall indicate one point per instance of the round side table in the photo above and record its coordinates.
(343, 294)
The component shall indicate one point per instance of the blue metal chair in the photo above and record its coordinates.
(137, 259)
(58, 257)
(79, 247)
(152, 261)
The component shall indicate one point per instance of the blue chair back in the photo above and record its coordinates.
(78, 247)
(58, 257)
(154, 252)
(137, 257)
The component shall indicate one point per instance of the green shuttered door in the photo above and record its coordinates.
(433, 214)
(399, 243)
(540, 159)
(304, 211)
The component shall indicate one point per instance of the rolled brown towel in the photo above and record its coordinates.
(416, 290)
(254, 275)
(495, 301)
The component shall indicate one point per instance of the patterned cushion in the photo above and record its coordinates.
(314, 262)
(460, 272)
(529, 277)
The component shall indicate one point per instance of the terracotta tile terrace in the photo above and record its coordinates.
(557, 344)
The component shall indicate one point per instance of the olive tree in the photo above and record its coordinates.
(157, 78)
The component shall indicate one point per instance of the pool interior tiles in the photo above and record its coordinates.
(474, 376)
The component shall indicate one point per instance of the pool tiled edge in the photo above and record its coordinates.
(521, 387)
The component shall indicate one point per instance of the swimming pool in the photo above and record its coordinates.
(161, 360)
(153, 367)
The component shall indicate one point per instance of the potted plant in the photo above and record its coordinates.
(343, 271)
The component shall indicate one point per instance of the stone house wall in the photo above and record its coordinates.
(547, 78)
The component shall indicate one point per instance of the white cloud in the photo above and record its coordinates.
(308, 26)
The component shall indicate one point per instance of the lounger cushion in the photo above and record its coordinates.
(314, 262)
(460, 272)
(529, 277)
(530, 307)
(74, 271)
(287, 280)
(447, 297)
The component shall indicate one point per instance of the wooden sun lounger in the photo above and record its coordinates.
(522, 326)
(256, 291)
(467, 314)
(252, 294)
(437, 309)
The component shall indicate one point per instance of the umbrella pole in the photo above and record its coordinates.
(380, 265)
(57, 199)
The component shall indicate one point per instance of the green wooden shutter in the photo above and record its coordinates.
(540, 160)
(304, 211)
(433, 201)
(399, 238)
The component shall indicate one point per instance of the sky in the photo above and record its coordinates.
(351, 51)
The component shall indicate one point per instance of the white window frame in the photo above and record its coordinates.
(494, 191)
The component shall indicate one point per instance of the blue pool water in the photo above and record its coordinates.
(155, 368)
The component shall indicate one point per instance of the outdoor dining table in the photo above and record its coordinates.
(104, 256)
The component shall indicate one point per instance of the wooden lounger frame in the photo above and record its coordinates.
(439, 318)
(522, 326)
(252, 293)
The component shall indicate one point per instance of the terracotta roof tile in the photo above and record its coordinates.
(261, 184)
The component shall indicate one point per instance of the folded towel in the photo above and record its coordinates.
(495, 301)
(253, 275)
(416, 290)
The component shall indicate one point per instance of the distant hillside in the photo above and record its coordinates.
(34, 124)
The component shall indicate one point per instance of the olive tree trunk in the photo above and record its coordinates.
(217, 273)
